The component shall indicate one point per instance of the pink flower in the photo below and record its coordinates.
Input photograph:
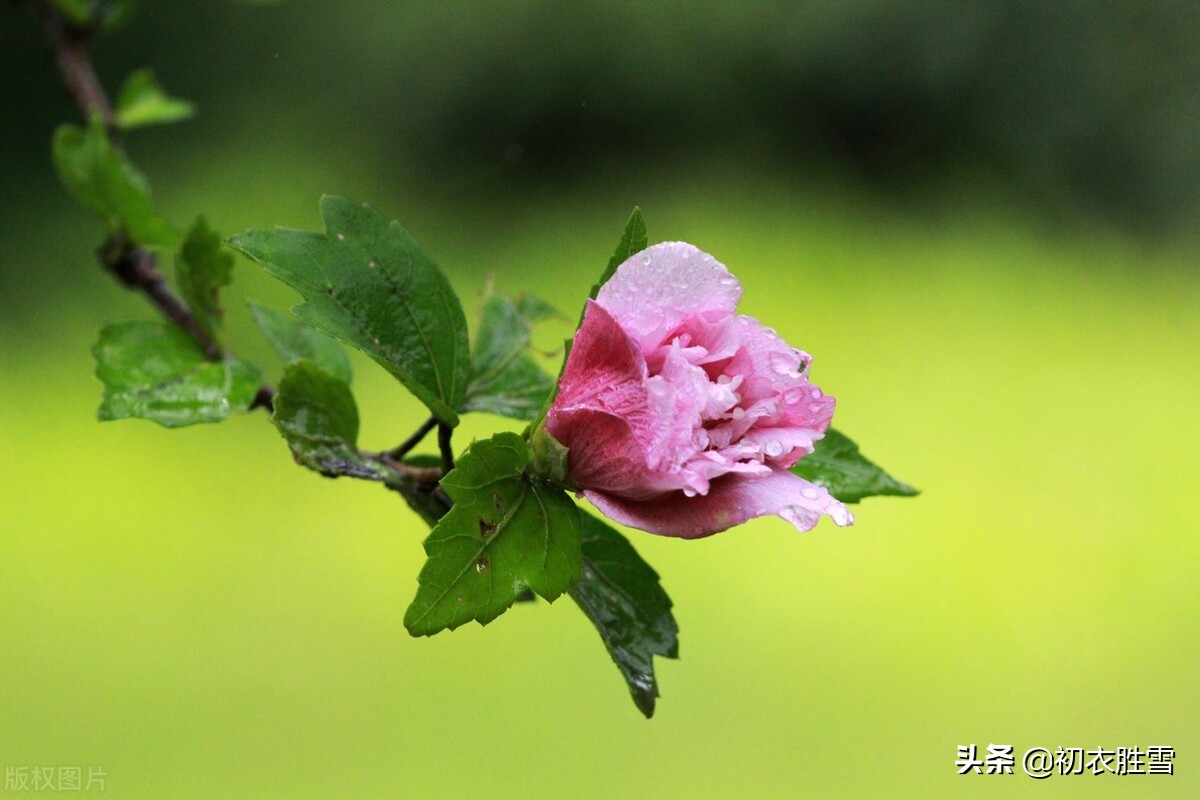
(681, 417)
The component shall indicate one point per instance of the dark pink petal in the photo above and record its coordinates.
(605, 454)
(605, 368)
(730, 501)
(622, 429)
(655, 290)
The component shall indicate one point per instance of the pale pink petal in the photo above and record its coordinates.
(654, 291)
(730, 501)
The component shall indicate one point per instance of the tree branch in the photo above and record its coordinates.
(408, 444)
(74, 60)
(134, 267)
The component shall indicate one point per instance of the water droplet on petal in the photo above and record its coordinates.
(810, 492)
(815, 393)
(774, 449)
(646, 261)
(739, 413)
(724, 379)
(729, 281)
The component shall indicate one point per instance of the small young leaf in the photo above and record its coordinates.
(294, 340)
(505, 379)
(315, 412)
(836, 464)
(633, 240)
(104, 181)
(621, 595)
(505, 532)
(155, 371)
(142, 101)
(202, 268)
(367, 283)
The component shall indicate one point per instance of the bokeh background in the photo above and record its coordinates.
(978, 217)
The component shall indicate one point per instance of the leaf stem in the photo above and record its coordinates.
(444, 433)
(402, 449)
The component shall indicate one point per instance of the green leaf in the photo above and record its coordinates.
(505, 378)
(78, 12)
(293, 340)
(202, 268)
(142, 101)
(315, 412)
(103, 180)
(367, 283)
(632, 241)
(621, 595)
(155, 371)
(836, 464)
(505, 532)
(87, 14)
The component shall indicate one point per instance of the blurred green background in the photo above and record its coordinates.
(979, 219)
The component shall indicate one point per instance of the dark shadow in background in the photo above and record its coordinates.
(1088, 107)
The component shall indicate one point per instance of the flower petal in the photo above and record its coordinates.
(655, 290)
(619, 431)
(731, 500)
(605, 369)
(604, 453)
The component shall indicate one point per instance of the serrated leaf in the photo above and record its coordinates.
(202, 268)
(316, 413)
(620, 593)
(633, 240)
(836, 464)
(142, 101)
(506, 532)
(155, 371)
(368, 283)
(293, 340)
(505, 378)
(103, 180)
